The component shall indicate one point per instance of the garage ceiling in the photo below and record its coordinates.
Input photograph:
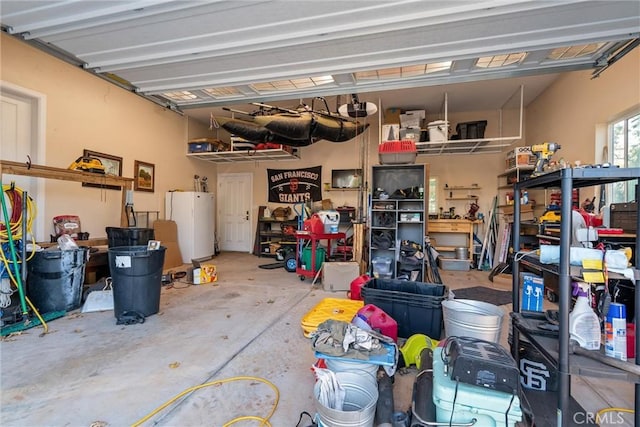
(197, 56)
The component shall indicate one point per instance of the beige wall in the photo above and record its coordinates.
(570, 111)
(84, 111)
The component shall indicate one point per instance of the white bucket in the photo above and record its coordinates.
(360, 401)
(337, 365)
(470, 318)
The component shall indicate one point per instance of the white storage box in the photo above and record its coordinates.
(331, 220)
(487, 406)
(337, 276)
(438, 131)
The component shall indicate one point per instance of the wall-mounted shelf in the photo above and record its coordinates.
(39, 171)
(276, 155)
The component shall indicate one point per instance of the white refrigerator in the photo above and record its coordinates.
(194, 214)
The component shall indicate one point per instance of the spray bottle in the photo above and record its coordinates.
(584, 325)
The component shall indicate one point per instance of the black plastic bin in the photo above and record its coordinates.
(55, 278)
(415, 306)
(129, 236)
(471, 130)
(136, 275)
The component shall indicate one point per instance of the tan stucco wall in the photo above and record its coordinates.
(570, 111)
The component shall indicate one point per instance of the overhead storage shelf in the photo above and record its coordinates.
(474, 146)
(246, 156)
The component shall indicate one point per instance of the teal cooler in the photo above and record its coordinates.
(491, 408)
(136, 275)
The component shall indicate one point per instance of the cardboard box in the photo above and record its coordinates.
(392, 115)
(520, 157)
(167, 232)
(412, 119)
(337, 276)
(206, 273)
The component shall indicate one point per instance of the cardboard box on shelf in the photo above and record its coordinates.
(412, 119)
(520, 157)
(392, 115)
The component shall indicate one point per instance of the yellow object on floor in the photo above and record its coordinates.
(330, 308)
(414, 345)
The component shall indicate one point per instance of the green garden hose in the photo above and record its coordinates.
(14, 258)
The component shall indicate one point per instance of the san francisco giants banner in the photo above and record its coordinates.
(295, 185)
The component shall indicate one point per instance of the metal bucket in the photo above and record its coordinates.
(359, 407)
(337, 365)
(470, 318)
(462, 253)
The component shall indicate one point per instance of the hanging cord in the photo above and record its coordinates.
(11, 233)
(15, 195)
(264, 421)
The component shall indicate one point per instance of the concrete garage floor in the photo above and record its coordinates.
(88, 371)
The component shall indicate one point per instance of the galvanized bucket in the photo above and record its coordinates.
(471, 318)
(359, 407)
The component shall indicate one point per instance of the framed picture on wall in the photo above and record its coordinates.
(112, 166)
(143, 176)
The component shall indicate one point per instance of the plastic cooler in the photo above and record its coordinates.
(397, 152)
(329, 308)
(458, 402)
(415, 306)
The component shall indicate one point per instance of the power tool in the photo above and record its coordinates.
(543, 153)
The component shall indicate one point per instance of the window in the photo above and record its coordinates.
(625, 153)
(433, 195)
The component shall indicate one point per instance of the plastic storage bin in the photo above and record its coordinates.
(415, 306)
(381, 267)
(128, 236)
(471, 130)
(397, 152)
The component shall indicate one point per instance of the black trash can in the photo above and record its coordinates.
(136, 275)
(128, 236)
(55, 278)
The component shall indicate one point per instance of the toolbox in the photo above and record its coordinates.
(625, 216)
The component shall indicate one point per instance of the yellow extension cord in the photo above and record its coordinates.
(605, 410)
(16, 232)
(265, 421)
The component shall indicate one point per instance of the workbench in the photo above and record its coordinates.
(450, 234)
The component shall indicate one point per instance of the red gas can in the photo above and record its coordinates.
(356, 285)
(314, 225)
(380, 321)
